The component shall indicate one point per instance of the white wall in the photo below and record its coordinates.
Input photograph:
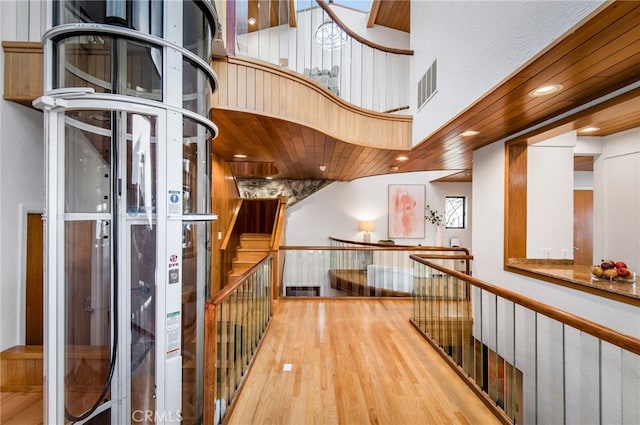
(550, 197)
(488, 242)
(478, 44)
(22, 191)
(336, 210)
(617, 199)
(21, 176)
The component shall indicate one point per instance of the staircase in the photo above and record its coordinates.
(253, 248)
(21, 369)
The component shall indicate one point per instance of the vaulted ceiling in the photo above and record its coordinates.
(598, 57)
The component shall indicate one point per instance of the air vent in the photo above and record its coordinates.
(427, 86)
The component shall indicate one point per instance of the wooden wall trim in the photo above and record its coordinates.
(23, 71)
(257, 87)
(515, 201)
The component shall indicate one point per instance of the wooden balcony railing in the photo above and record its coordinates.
(529, 362)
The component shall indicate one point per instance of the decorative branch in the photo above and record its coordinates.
(433, 216)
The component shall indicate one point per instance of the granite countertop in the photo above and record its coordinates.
(566, 271)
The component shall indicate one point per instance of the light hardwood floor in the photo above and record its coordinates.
(353, 362)
(21, 408)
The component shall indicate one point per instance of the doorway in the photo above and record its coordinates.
(583, 227)
(34, 278)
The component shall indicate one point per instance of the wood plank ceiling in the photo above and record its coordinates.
(600, 56)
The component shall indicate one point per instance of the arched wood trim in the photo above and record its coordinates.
(252, 86)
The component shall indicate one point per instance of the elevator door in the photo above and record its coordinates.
(109, 359)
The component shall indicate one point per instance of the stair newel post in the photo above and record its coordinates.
(210, 343)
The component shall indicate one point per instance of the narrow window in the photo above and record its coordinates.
(454, 212)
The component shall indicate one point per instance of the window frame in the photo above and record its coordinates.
(464, 212)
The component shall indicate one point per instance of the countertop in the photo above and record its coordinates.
(577, 275)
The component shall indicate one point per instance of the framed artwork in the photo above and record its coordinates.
(406, 211)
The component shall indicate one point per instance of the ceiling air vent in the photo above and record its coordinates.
(427, 86)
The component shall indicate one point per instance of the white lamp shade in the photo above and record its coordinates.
(366, 226)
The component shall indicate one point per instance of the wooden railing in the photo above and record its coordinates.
(528, 361)
(276, 240)
(349, 268)
(235, 322)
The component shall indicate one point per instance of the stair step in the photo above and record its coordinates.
(21, 369)
(255, 240)
(253, 255)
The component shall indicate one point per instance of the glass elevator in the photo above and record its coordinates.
(128, 212)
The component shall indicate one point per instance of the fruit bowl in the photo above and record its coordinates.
(630, 279)
(613, 271)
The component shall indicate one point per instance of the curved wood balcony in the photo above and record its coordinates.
(259, 88)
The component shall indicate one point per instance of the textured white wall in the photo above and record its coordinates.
(478, 44)
(336, 210)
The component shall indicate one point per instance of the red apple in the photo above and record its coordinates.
(624, 272)
(620, 265)
(608, 264)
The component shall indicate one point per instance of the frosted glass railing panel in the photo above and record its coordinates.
(526, 360)
(630, 387)
(317, 48)
(550, 378)
(350, 269)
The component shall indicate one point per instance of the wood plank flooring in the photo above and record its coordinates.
(353, 362)
(21, 408)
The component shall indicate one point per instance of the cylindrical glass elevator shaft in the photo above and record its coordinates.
(128, 209)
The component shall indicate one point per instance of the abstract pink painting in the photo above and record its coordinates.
(406, 211)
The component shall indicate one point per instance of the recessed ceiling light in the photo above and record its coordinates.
(269, 178)
(588, 129)
(469, 133)
(393, 168)
(402, 158)
(545, 90)
(322, 167)
(239, 155)
(252, 21)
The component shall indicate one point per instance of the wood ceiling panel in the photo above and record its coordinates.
(394, 14)
(582, 163)
(600, 56)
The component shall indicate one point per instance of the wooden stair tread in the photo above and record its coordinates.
(23, 352)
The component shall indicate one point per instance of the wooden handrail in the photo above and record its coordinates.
(619, 339)
(402, 247)
(227, 290)
(278, 223)
(356, 36)
(232, 225)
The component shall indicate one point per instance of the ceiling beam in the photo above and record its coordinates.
(373, 13)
